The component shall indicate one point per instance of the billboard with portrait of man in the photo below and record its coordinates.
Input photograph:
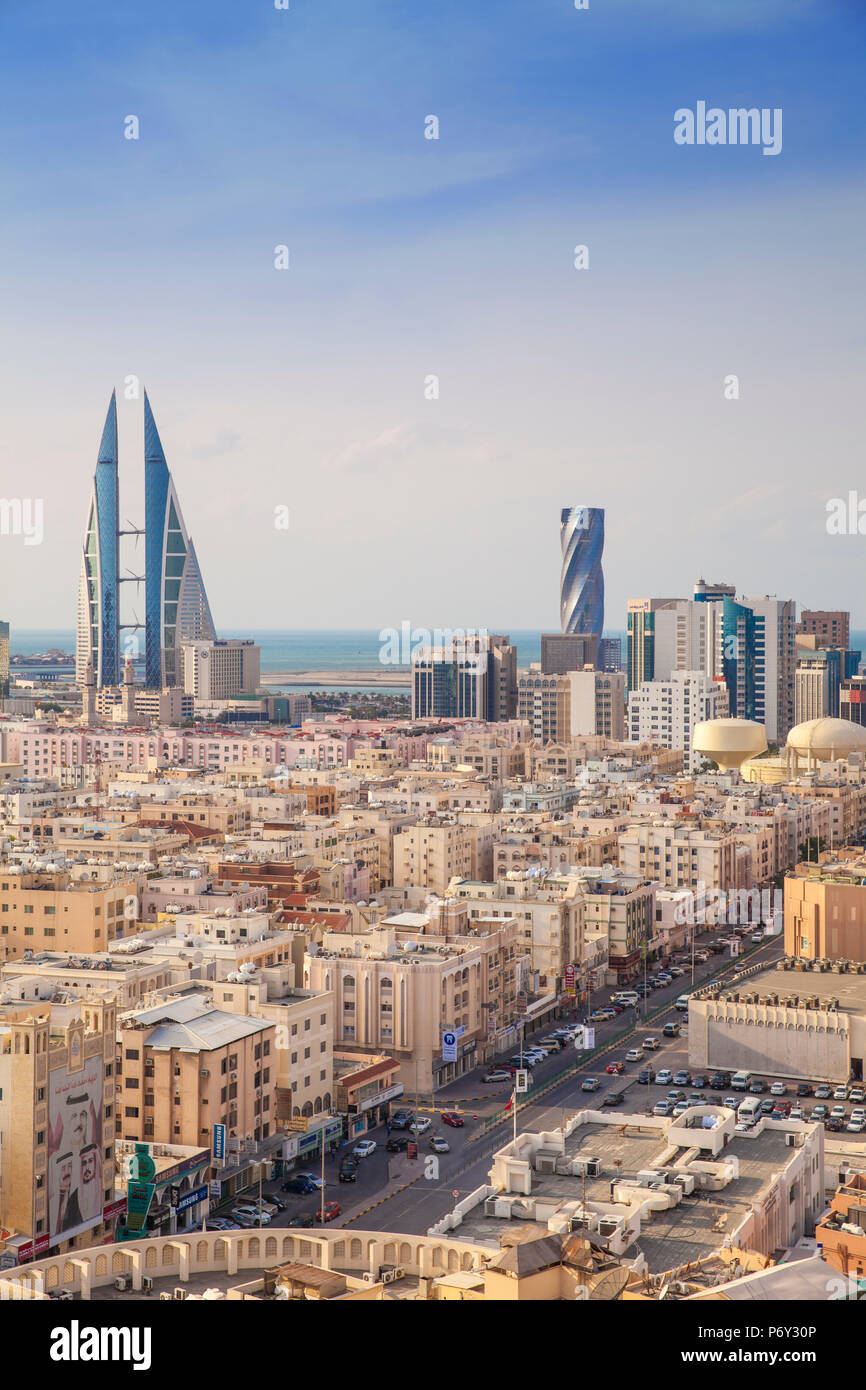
(74, 1151)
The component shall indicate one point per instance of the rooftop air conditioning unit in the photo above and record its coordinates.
(123, 1282)
(593, 1168)
(180, 1293)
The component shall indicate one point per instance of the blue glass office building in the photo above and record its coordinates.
(98, 632)
(581, 587)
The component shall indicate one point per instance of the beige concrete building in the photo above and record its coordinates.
(57, 1127)
(430, 854)
(597, 700)
(397, 988)
(679, 856)
(51, 910)
(549, 911)
(184, 1066)
(303, 1054)
(825, 911)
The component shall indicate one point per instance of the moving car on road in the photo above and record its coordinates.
(614, 1098)
(364, 1148)
(634, 1054)
(615, 1068)
(329, 1212)
(450, 1117)
(439, 1144)
(421, 1125)
(591, 1083)
(497, 1076)
(349, 1169)
(398, 1143)
(650, 1044)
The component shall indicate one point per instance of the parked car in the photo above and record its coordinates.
(778, 1088)
(299, 1186)
(700, 1081)
(823, 1092)
(400, 1119)
(329, 1212)
(796, 1112)
(664, 1077)
(305, 1218)
(857, 1094)
(439, 1144)
(662, 1107)
(634, 1054)
(819, 1112)
(803, 1088)
(731, 1102)
(248, 1218)
(398, 1143)
(767, 1107)
(497, 1076)
(364, 1148)
(450, 1117)
(421, 1125)
(839, 1112)
(591, 1083)
(680, 1108)
(646, 1076)
(311, 1177)
(602, 1015)
(615, 1068)
(650, 1044)
(840, 1093)
(221, 1223)
(349, 1170)
(720, 1079)
(677, 970)
(683, 1078)
(758, 1087)
(613, 1098)
(835, 1124)
(855, 1126)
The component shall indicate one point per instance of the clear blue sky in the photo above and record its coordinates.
(411, 257)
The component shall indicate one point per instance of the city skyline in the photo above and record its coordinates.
(453, 258)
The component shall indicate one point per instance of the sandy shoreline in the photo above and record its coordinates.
(339, 680)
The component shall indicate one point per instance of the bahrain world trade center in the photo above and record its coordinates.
(176, 608)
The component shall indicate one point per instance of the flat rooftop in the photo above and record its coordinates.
(694, 1228)
(848, 988)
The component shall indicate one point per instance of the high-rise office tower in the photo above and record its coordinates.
(830, 627)
(4, 660)
(713, 593)
(176, 606)
(581, 588)
(756, 655)
(474, 677)
(568, 651)
(641, 638)
(98, 631)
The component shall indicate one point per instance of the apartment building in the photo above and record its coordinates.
(51, 910)
(597, 703)
(677, 856)
(831, 627)
(665, 712)
(399, 987)
(57, 1128)
(303, 1052)
(825, 910)
(622, 907)
(184, 1066)
(549, 912)
(432, 853)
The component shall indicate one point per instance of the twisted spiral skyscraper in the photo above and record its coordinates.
(581, 587)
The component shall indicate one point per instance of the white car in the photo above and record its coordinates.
(634, 1054)
(757, 936)
(664, 1077)
(421, 1125)
(249, 1216)
(855, 1126)
(365, 1148)
(840, 1093)
(778, 1088)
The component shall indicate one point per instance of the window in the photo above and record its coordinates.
(131, 1112)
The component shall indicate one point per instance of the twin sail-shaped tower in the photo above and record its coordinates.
(175, 602)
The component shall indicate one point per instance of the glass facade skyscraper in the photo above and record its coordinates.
(98, 631)
(581, 588)
(176, 606)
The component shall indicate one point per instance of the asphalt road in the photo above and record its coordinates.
(420, 1206)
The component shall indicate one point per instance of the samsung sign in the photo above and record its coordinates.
(192, 1198)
